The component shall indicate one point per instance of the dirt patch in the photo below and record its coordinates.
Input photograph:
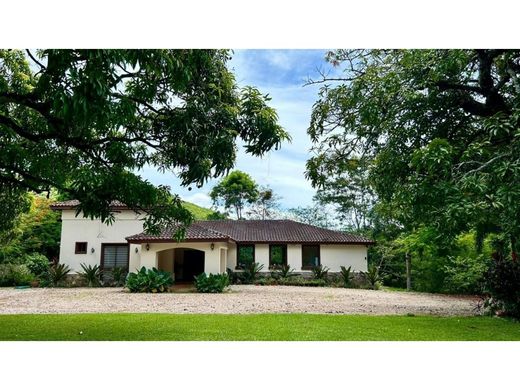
(239, 299)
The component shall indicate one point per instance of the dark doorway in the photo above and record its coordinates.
(188, 264)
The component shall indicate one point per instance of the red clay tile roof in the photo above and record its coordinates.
(72, 204)
(195, 232)
(256, 231)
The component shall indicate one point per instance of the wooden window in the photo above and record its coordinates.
(277, 255)
(80, 248)
(310, 256)
(245, 255)
(114, 255)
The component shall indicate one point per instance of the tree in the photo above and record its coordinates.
(35, 231)
(315, 215)
(440, 129)
(265, 206)
(85, 122)
(235, 191)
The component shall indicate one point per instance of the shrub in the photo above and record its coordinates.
(346, 276)
(466, 274)
(21, 274)
(284, 271)
(149, 280)
(372, 277)
(251, 272)
(320, 272)
(233, 276)
(118, 276)
(212, 283)
(293, 281)
(502, 282)
(91, 274)
(37, 263)
(15, 275)
(57, 274)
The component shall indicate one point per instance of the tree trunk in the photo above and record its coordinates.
(408, 272)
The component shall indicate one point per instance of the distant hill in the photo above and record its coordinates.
(200, 213)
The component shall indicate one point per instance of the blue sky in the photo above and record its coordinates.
(281, 74)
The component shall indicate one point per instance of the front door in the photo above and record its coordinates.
(192, 265)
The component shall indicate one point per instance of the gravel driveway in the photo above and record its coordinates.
(240, 299)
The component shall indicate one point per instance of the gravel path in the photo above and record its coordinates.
(240, 299)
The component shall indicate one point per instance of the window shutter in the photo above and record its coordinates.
(115, 256)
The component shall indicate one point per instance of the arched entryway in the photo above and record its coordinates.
(187, 263)
(183, 263)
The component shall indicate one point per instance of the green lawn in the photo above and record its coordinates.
(252, 327)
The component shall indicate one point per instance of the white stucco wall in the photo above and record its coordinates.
(94, 232)
(334, 256)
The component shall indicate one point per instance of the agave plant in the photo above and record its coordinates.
(320, 272)
(372, 277)
(91, 274)
(284, 271)
(118, 276)
(57, 273)
(346, 275)
(251, 272)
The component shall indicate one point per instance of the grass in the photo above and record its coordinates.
(253, 327)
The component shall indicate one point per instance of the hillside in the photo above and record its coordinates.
(200, 213)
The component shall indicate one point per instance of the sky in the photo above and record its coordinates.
(281, 74)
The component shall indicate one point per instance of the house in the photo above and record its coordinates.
(209, 246)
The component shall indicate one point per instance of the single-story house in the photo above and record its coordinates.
(209, 246)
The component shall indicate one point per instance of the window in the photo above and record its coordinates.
(277, 255)
(245, 255)
(310, 256)
(80, 248)
(114, 255)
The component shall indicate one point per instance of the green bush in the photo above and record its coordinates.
(56, 275)
(15, 275)
(91, 275)
(212, 283)
(293, 281)
(320, 272)
(503, 286)
(37, 263)
(466, 274)
(149, 281)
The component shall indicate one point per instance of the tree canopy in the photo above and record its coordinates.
(235, 191)
(435, 133)
(86, 121)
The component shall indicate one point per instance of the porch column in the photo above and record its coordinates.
(148, 257)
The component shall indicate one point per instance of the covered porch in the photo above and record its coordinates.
(185, 260)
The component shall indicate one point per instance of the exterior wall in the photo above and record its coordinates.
(232, 256)
(94, 232)
(334, 256)
(294, 256)
(262, 255)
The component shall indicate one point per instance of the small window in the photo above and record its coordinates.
(310, 256)
(81, 248)
(245, 255)
(277, 256)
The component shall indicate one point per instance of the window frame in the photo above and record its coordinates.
(307, 267)
(77, 251)
(284, 254)
(238, 265)
(102, 260)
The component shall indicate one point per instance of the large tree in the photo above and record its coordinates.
(235, 191)
(440, 130)
(86, 121)
(266, 206)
